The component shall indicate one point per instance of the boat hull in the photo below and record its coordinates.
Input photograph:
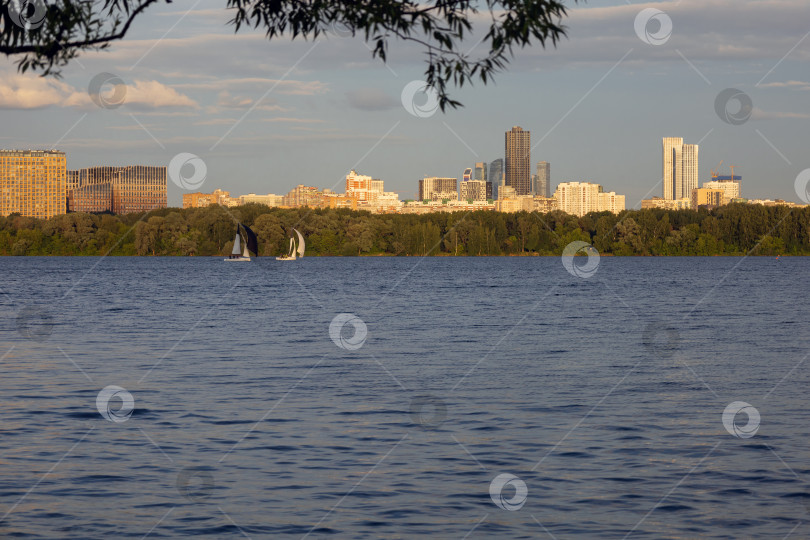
(285, 258)
(238, 259)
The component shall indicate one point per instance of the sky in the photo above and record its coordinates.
(264, 116)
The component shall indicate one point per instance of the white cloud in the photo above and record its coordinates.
(19, 91)
(31, 92)
(228, 101)
(759, 114)
(799, 85)
(278, 86)
(215, 122)
(290, 120)
(153, 95)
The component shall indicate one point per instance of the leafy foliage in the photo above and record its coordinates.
(442, 27)
(735, 229)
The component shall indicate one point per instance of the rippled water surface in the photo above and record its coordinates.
(603, 396)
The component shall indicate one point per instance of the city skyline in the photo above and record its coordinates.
(595, 104)
(137, 188)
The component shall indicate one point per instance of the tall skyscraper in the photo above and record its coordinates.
(496, 176)
(480, 171)
(688, 179)
(518, 160)
(671, 147)
(542, 185)
(32, 182)
(680, 168)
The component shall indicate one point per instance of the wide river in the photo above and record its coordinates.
(404, 398)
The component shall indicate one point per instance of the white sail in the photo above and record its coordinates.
(245, 252)
(236, 248)
(301, 243)
(292, 248)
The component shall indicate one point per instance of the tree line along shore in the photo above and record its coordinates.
(735, 229)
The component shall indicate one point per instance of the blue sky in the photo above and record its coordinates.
(265, 116)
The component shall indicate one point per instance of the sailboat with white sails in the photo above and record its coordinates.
(295, 250)
(250, 242)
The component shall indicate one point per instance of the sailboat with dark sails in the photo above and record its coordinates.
(244, 237)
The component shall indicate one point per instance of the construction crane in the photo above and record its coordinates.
(732, 172)
(715, 171)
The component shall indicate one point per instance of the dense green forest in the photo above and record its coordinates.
(735, 229)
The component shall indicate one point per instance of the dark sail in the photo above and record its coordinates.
(252, 240)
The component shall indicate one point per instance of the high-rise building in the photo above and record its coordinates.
(32, 182)
(73, 180)
(580, 198)
(706, 197)
(90, 198)
(358, 186)
(480, 171)
(473, 190)
(542, 182)
(680, 168)
(689, 173)
(496, 176)
(302, 195)
(731, 185)
(670, 163)
(730, 188)
(577, 198)
(435, 188)
(610, 202)
(468, 175)
(518, 160)
(133, 188)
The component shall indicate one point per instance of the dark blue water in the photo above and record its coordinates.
(603, 396)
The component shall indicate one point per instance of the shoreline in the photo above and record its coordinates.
(384, 255)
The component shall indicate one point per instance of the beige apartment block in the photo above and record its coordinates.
(33, 183)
